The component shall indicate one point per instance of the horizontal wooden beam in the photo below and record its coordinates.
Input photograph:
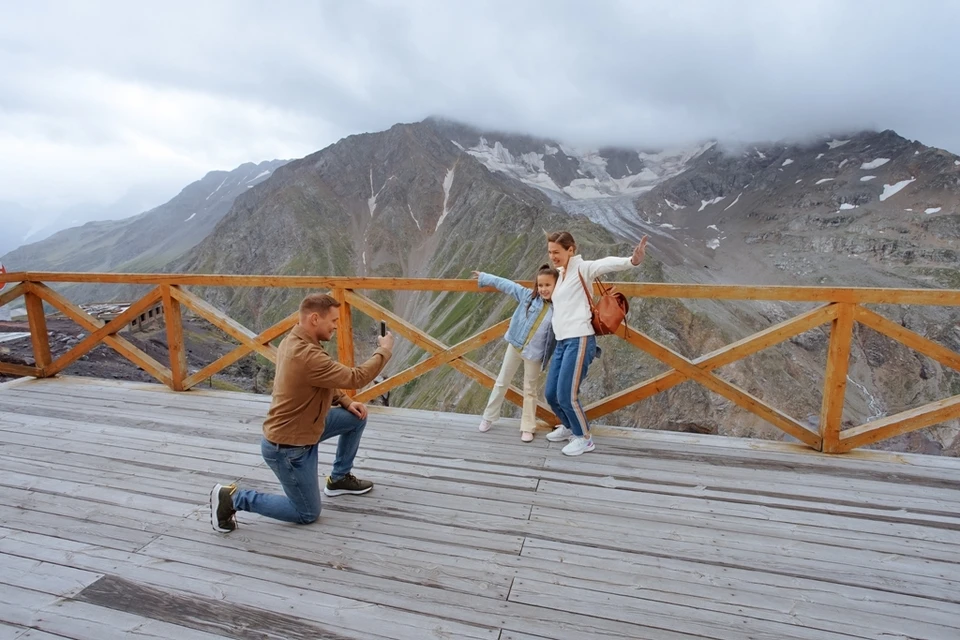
(903, 422)
(287, 282)
(856, 295)
(14, 276)
(20, 370)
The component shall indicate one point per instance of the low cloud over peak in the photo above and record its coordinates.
(99, 98)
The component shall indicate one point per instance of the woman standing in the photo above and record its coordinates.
(576, 339)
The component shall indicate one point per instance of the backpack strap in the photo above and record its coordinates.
(586, 291)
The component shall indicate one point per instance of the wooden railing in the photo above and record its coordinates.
(841, 308)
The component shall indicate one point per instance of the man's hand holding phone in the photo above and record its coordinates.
(386, 339)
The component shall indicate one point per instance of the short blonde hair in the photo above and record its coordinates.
(318, 303)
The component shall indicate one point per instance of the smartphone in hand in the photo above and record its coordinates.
(383, 328)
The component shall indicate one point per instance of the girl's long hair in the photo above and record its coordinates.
(544, 270)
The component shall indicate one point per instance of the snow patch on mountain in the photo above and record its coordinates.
(595, 181)
(447, 183)
(734, 202)
(260, 175)
(875, 164)
(706, 203)
(410, 209)
(893, 189)
(218, 188)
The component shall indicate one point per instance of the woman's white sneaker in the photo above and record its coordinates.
(485, 425)
(577, 446)
(559, 434)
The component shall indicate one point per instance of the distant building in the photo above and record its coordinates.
(148, 319)
(107, 311)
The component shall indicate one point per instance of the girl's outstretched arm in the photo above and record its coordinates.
(521, 293)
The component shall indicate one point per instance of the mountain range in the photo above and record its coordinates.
(440, 199)
(150, 240)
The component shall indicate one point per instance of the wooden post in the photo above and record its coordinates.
(178, 352)
(38, 330)
(345, 334)
(835, 380)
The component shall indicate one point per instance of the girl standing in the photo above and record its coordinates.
(576, 339)
(530, 341)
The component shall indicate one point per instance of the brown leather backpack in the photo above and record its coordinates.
(609, 312)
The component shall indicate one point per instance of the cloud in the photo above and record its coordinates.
(99, 97)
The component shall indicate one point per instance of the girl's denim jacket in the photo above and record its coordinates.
(524, 317)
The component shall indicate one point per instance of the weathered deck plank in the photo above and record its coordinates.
(103, 489)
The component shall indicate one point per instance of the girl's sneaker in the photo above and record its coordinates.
(527, 436)
(485, 425)
(577, 446)
(559, 434)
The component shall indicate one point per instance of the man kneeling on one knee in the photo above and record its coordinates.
(308, 407)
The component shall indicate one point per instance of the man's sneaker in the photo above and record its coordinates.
(348, 484)
(559, 434)
(485, 425)
(577, 446)
(222, 514)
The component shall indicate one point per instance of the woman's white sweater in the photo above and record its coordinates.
(571, 310)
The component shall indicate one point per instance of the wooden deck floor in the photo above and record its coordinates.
(104, 531)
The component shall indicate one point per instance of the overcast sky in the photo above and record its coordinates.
(97, 98)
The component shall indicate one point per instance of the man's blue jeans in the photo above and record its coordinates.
(296, 469)
(568, 368)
